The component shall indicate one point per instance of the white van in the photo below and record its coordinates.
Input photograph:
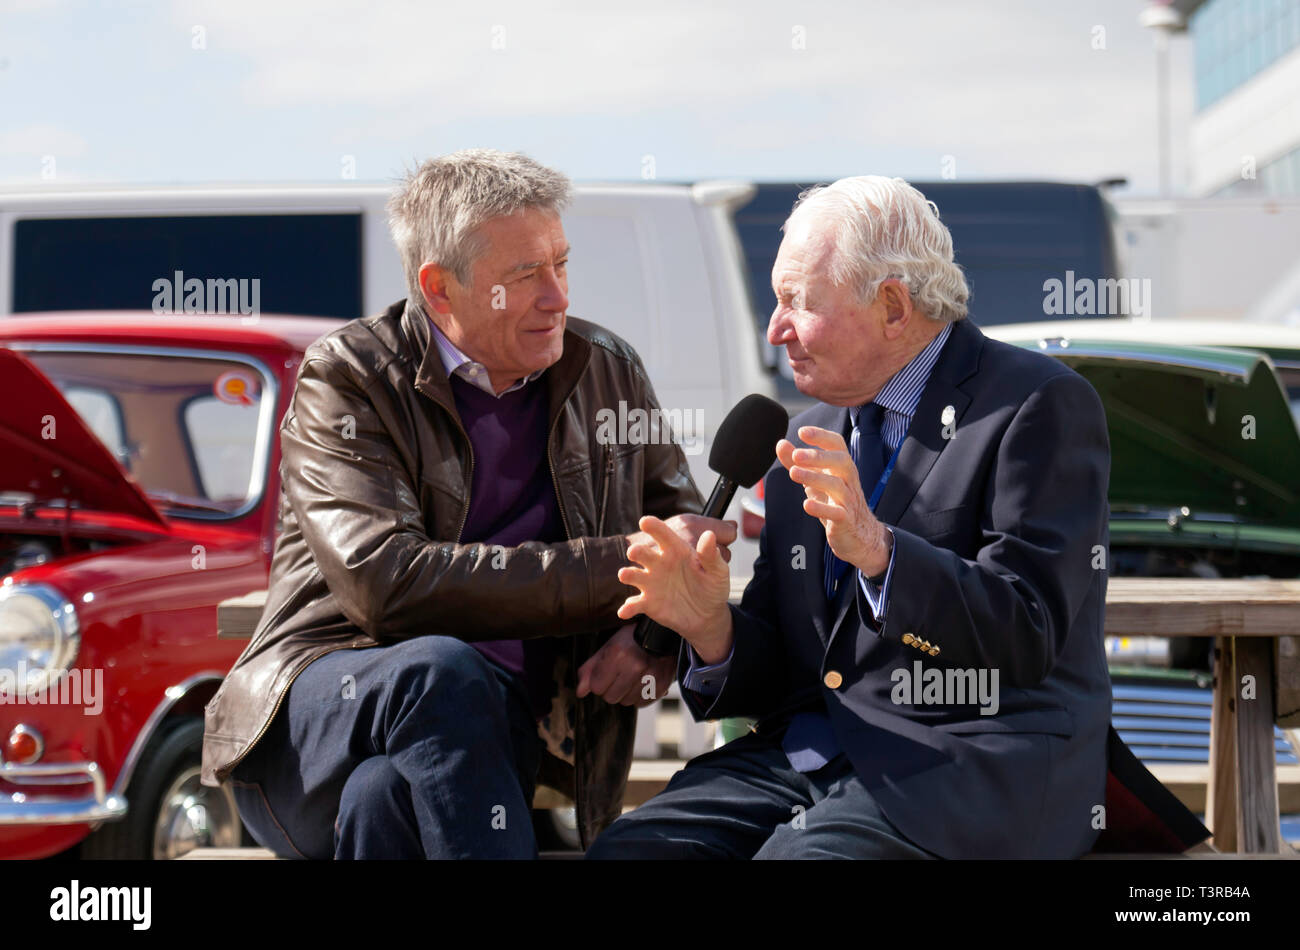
(660, 265)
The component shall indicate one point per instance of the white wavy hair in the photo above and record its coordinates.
(438, 207)
(886, 228)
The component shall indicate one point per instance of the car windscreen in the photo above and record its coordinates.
(192, 431)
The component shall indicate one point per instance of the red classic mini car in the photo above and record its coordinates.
(139, 487)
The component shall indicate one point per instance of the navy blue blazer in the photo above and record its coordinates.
(998, 505)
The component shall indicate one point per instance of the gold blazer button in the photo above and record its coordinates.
(833, 680)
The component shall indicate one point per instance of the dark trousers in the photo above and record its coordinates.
(745, 801)
(421, 749)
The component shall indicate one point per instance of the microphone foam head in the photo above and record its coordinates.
(745, 445)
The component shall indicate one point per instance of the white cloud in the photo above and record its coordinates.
(1014, 87)
(1008, 87)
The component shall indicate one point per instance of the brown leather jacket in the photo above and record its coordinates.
(374, 472)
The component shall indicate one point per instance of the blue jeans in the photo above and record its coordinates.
(421, 749)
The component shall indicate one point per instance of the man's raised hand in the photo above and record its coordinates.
(690, 528)
(834, 497)
(682, 586)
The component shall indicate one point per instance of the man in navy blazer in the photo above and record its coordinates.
(921, 642)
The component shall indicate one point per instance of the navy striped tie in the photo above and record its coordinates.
(867, 446)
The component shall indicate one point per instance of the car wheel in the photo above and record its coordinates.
(169, 812)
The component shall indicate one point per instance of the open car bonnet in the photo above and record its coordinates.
(49, 452)
(1204, 428)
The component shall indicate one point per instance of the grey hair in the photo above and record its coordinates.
(438, 207)
(886, 228)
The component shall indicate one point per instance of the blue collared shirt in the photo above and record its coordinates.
(474, 373)
(899, 397)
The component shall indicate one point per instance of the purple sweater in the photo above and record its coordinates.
(512, 500)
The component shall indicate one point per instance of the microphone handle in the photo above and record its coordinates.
(659, 640)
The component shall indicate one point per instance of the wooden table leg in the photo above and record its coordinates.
(1258, 828)
(1221, 793)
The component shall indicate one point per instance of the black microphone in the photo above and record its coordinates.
(742, 452)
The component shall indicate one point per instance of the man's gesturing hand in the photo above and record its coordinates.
(690, 528)
(617, 672)
(682, 586)
(834, 496)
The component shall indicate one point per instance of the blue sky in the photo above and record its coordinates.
(284, 90)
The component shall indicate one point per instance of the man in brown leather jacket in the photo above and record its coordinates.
(440, 630)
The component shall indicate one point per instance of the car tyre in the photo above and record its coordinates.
(168, 811)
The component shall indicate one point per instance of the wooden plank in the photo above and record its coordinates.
(238, 617)
(1191, 606)
(1221, 795)
(1135, 606)
(1258, 831)
(228, 854)
(648, 779)
(1190, 783)
(1197, 590)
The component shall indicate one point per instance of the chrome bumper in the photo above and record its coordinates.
(18, 808)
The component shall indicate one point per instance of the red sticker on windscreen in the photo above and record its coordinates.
(235, 387)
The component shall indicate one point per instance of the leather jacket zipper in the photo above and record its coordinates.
(555, 483)
(578, 724)
(469, 482)
(604, 489)
(550, 462)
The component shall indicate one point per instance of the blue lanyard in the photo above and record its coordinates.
(884, 477)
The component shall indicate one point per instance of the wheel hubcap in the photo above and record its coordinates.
(193, 815)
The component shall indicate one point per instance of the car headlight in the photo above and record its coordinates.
(39, 635)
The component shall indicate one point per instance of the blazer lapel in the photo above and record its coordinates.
(931, 430)
(933, 426)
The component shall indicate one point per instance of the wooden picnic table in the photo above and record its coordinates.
(1248, 619)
